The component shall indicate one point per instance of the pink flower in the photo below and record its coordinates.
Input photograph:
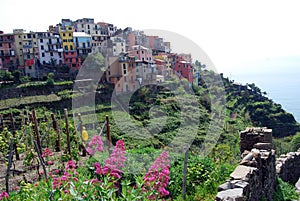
(3, 195)
(70, 165)
(114, 163)
(95, 145)
(157, 177)
(47, 152)
(50, 163)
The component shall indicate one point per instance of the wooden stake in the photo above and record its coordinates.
(2, 122)
(67, 131)
(84, 152)
(12, 121)
(41, 159)
(108, 132)
(9, 165)
(57, 144)
(36, 130)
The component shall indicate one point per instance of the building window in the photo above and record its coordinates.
(42, 47)
(70, 34)
(66, 47)
(124, 78)
(124, 69)
(43, 54)
(41, 40)
(44, 62)
(29, 67)
(51, 54)
(64, 34)
(20, 43)
(88, 26)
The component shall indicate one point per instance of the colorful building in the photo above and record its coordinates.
(83, 43)
(50, 48)
(27, 52)
(7, 52)
(70, 54)
(141, 53)
(184, 69)
(121, 73)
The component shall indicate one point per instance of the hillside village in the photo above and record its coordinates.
(134, 57)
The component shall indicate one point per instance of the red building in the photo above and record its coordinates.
(71, 59)
(7, 51)
(184, 69)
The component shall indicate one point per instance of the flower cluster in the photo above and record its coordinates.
(47, 152)
(157, 177)
(58, 182)
(95, 145)
(114, 163)
(3, 195)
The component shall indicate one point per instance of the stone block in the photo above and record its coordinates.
(231, 194)
(242, 172)
(265, 146)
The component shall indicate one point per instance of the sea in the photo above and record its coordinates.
(281, 84)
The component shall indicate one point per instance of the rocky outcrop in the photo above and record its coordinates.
(255, 177)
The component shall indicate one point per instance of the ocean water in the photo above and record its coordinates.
(281, 86)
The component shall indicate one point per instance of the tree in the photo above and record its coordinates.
(6, 76)
(50, 80)
(17, 76)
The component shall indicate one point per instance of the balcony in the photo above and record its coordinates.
(27, 46)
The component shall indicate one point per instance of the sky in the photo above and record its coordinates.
(233, 33)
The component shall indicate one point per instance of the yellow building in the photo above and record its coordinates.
(70, 53)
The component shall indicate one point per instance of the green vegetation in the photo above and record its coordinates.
(285, 192)
(164, 115)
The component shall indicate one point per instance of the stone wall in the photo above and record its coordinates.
(288, 167)
(255, 177)
(7, 93)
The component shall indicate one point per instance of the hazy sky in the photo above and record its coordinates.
(238, 36)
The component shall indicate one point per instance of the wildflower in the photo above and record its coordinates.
(3, 195)
(95, 145)
(114, 163)
(47, 152)
(50, 163)
(70, 165)
(157, 177)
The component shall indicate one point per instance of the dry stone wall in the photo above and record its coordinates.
(7, 93)
(288, 167)
(255, 177)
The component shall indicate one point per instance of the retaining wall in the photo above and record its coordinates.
(255, 177)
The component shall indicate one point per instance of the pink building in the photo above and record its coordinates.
(141, 53)
(7, 51)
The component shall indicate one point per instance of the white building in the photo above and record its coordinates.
(118, 45)
(50, 48)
